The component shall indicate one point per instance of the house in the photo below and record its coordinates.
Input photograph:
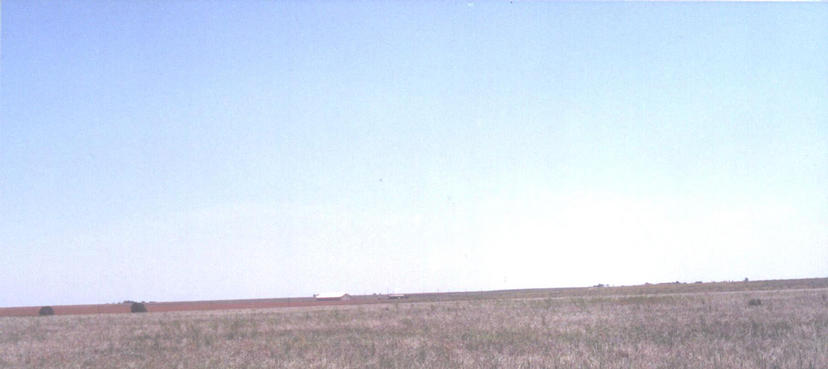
(332, 296)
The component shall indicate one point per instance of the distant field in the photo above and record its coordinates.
(649, 289)
(776, 324)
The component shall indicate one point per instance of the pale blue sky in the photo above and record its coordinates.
(157, 150)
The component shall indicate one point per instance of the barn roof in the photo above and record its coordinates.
(330, 295)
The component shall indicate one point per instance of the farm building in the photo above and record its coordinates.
(332, 296)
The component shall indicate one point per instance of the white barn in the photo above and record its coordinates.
(332, 296)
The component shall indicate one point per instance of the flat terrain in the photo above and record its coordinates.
(775, 324)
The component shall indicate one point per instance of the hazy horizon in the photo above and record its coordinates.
(178, 150)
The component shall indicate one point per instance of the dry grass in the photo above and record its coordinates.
(694, 330)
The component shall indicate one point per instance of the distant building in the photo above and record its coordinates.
(397, 296)
(332, 296)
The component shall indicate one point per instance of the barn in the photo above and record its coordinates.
(332, 296)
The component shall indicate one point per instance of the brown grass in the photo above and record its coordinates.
(669, 330)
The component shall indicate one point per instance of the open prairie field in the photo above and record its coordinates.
(661, 326)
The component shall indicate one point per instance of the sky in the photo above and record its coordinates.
(189, 150)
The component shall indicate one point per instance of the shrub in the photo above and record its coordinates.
(138, 307)
(46, 310)
(754, 302)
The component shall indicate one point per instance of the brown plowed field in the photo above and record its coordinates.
(67, 309)
(182, 306)
(649, 289)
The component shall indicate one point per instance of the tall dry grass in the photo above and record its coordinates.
(706, 330)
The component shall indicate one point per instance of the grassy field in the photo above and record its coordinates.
(680, 327)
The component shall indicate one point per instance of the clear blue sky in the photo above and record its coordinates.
(156, 150)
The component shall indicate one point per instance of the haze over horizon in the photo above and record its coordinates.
(220, 150)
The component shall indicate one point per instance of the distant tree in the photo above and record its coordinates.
(138, 307)
(46, 310)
